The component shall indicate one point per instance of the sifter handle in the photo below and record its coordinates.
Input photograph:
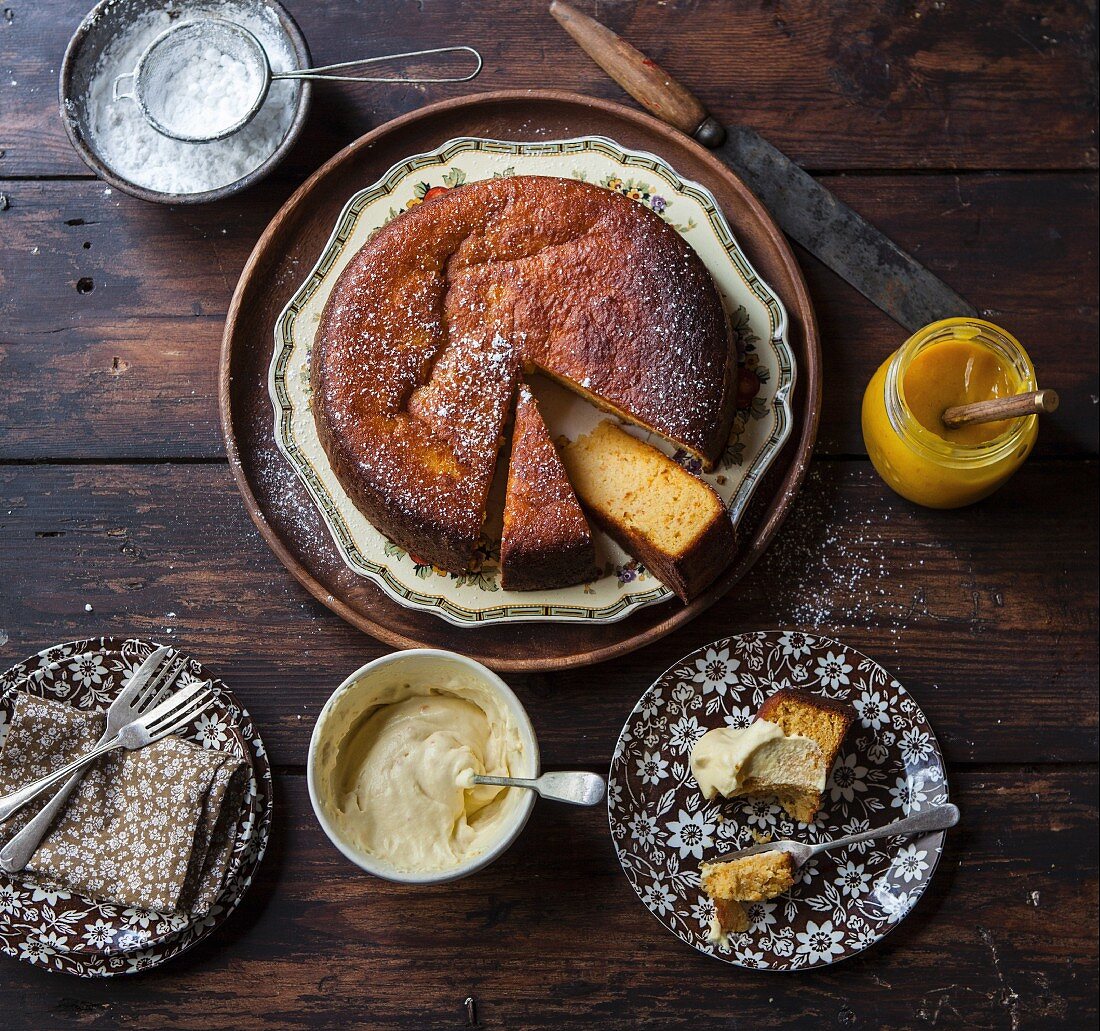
(115, 95)
(324, 72)
(646, 81)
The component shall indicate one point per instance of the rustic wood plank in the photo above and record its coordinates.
(838, 85)
(988, 615)
(80, 251)
(998, 645)
(133, 389)
(551, 936)
(110, 348)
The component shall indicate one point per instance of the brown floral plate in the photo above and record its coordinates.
(49, 926)
(890, 766)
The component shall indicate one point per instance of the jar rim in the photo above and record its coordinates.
(910, 430)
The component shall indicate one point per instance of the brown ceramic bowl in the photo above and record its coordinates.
(98, 29)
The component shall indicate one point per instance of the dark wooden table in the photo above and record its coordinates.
(968, 132)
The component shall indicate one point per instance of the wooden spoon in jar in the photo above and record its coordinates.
(1033, 402)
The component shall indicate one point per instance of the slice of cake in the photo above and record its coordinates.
(785, 754)
(729, 918)
(546, 541)
(754, 878)
(826, 720)
(670, 520)
(751, 879)
(761, 760)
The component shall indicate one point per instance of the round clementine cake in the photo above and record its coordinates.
(430, 326)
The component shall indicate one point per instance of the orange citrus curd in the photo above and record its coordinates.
(949, 363)
(951, 373)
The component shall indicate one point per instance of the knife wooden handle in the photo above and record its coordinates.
(646, 81)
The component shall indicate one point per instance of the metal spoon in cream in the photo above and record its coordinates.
(577, 787)
(394, 772)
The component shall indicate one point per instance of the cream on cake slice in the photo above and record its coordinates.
(761, 760)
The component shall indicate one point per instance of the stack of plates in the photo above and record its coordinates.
(59, 930)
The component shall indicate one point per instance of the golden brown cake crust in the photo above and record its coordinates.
(546, 541)
(690, 573)
(424, 335)
(687, 569)
(793, 710)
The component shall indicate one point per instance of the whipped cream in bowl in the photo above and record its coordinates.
(391, 761)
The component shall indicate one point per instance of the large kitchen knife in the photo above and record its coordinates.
(804, 209)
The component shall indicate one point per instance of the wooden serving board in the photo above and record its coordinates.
(277, 501)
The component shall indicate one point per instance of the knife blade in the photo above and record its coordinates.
(805, 210)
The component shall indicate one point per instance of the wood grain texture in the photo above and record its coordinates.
(1004, 938)
(1004, 665)
(639, 75)
(1024, 246)
(1014, 406)
(837, 84)
(110, 319)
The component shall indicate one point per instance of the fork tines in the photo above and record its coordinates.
(179, 709)
(161, 683)
(200, 703)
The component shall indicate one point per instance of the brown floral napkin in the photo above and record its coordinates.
(148, 828)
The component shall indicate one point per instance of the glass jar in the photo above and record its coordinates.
(921, 465)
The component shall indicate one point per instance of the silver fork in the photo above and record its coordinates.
(141, 692)
(160, 721)
(937, 818)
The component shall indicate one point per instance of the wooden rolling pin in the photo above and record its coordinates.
(1032, 403)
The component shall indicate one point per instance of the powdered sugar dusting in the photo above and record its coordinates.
(125, 141)
(836, 562)
(428, 326)
(475, 598)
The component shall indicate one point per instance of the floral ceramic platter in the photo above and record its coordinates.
(889, 766)
(51, 927)
(761, 427)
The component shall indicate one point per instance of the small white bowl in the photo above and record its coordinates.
(415, 664)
